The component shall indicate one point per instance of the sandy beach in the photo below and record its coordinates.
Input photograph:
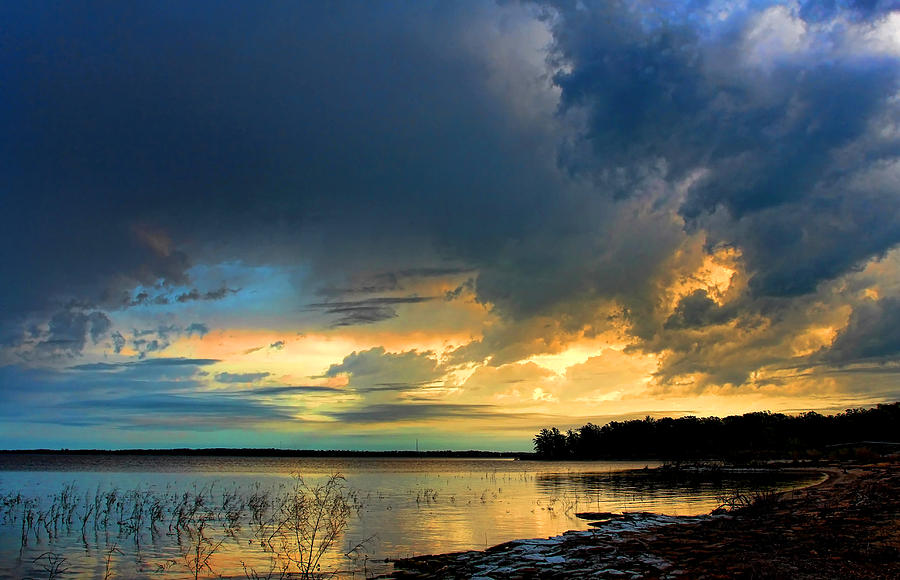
(848, 526)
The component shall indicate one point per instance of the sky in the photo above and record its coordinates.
(354, 225)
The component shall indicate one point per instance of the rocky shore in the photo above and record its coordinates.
(846, 527)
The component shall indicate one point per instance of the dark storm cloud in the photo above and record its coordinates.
(68, 332)
(771, 137)
(74, 328)
(368, 311)
(137, 135)
(697, 309)
(774, 147)
(465, 287)
(872, 334)
(377, 143)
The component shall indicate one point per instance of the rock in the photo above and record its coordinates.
(596, 515)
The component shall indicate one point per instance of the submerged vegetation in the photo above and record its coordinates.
(751, 436)
(294, 526)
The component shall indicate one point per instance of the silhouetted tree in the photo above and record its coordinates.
(751, 435)
(551, 444)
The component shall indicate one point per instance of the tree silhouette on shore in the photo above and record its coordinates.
(758, 435)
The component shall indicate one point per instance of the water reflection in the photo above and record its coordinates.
(669, 492)
(141, 517)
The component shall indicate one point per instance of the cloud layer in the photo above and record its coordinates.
(449, 197)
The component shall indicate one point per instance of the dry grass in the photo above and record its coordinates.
(295, 527)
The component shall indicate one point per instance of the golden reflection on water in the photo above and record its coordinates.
(402, 507)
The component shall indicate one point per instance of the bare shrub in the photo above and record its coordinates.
(753, 501)
(311, 518)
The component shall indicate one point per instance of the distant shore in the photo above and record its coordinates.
(275, 452)
(848, 526)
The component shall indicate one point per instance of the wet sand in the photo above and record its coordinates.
(848, 526)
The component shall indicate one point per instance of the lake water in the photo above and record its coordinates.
(172, 517)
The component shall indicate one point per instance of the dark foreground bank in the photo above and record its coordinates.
(846, 527)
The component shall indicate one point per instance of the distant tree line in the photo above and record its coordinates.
(758, 435)
(266, 452)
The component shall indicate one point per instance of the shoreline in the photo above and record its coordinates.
(269, 452)
(845, 526)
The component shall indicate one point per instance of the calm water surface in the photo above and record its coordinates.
(400, 507)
